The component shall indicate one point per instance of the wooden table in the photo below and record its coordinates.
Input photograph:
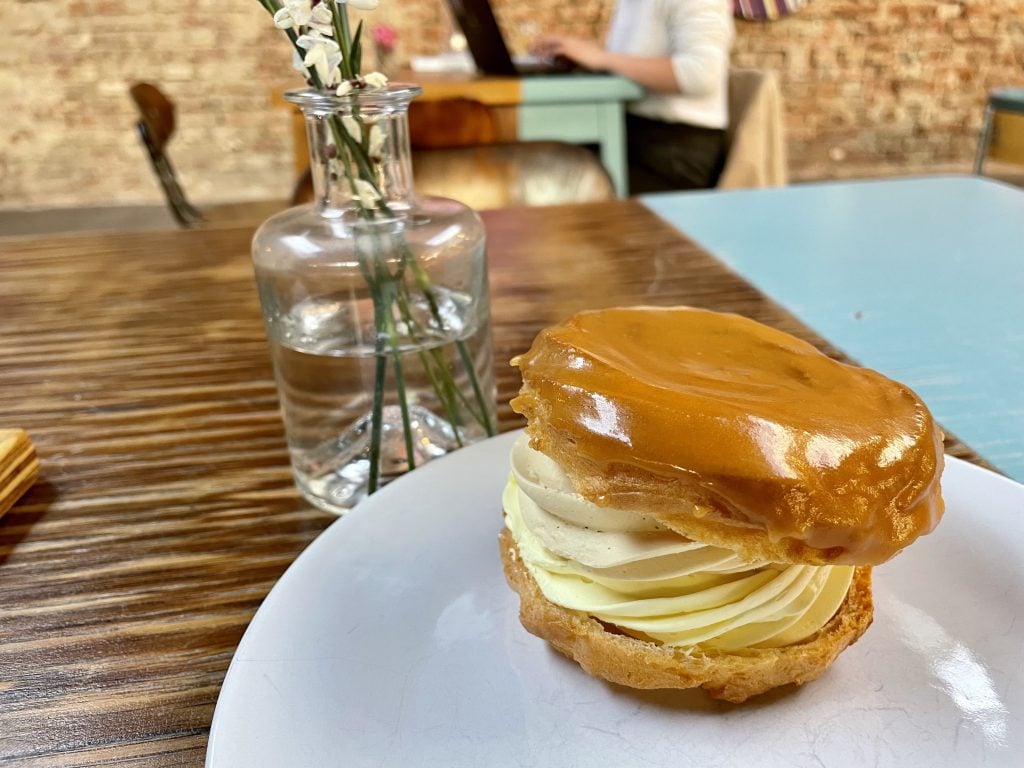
(165, 511)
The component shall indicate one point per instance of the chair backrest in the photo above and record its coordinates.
(524, 173)
(755, 138)
(156, 110)
(502, 175)
(155, 128)
(444, 123)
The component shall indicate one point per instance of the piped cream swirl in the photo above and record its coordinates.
(627, 570)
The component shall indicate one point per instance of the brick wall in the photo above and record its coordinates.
(67, 133)
(877, 87)
(871, 86)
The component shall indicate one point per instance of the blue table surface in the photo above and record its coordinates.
(921, 279)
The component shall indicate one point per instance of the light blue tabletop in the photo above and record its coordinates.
(568, 89)
(921, 279)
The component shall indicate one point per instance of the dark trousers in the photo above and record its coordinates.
(665, 156)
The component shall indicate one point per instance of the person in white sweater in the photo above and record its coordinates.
(678, 50)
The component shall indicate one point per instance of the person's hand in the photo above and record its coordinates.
(587, 54)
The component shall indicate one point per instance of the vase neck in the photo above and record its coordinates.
(359, 152)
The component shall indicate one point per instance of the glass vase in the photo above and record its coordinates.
(376, 307)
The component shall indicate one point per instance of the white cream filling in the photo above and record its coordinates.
(627, 570)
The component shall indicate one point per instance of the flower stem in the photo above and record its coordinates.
(468, 364)
(403, 400)
(339, 20)
(423, 281)
(440, 379)
(376, 420)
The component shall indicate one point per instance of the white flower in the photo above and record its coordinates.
(353, 128)
(294, 13)
(322, 54)
(365, 193)
(375, 80)
(345, 88)
(283, 19)
(320, 20)
(376, 143)
(363, 5)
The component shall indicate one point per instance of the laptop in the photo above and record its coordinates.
(487, 46)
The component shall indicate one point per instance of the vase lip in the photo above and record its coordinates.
(391, 95)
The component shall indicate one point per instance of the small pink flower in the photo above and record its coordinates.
(385, 36)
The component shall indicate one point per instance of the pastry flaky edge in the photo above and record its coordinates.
(733, 676)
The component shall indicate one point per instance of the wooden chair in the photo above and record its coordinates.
(455, 155)
(446, 123)
(155, 127)
(503, 175)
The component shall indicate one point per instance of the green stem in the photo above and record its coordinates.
(440, 379)
(376, 420)
(341, 15)
(379, 374)
(362, 162)
(424, 284)
(339, 20)
(423, 281)
(384, 320)
(451, 391)
(446, 391)
(403, 401)
(467, 362)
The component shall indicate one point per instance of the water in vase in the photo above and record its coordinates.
(327, 366)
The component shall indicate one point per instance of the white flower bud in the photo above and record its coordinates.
(300, 10)
(375, 80)
(365, 193)
(315, 56)
(320, 20)
(321, 14)
(283, 19)
(376, 143)
(322, 53)
(352, 127)
(345, 88)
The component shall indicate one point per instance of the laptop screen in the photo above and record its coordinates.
(483, 36)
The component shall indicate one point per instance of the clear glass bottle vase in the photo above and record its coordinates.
(376, 307)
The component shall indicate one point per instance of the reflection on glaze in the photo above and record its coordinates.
(602, 418)
(761, 424)
(960, 674)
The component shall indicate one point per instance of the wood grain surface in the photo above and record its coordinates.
(165, 511)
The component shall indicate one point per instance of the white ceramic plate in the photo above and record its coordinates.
(394, 641)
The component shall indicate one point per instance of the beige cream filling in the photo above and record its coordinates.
(650, 582)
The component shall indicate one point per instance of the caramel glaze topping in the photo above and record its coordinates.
(781, 436)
